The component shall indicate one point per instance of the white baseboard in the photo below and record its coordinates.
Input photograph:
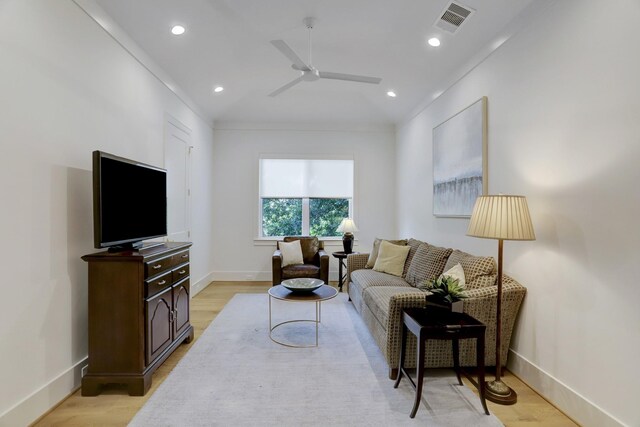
(201, 284)
(46, 397)
(250, 276)
(569, 401)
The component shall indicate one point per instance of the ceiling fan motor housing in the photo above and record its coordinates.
(310, 75)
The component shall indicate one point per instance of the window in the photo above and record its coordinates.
(304, 197)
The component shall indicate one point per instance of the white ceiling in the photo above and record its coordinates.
(227, 43)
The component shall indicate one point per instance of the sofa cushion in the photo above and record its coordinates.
(377, 299)
(479, 271)
(427, 263)
(367, 278)
(376, 248)
(391, 258)
(415, 244)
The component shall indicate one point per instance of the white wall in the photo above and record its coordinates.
(564, 130)
(68, 89)
(235, 187)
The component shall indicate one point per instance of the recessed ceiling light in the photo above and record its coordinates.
(218, 89)
(391, 94)
(434, 41)
(176, 30)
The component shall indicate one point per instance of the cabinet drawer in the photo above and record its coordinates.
(158, 284)
(180, 272)
(180, 258)
(151, 268)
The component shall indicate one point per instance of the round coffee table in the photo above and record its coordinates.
(279, 292)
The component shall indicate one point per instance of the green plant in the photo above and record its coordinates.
(445, 288)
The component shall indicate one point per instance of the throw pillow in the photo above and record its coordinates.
(479, 271)
(291, 253)
(391, 258)
(415, 244)
(376, 248)
(456, 272)
(427, 263)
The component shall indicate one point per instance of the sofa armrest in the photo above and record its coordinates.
(481, 304)
(276, 267)
(397, 303)
(324, 265)
(355, 262)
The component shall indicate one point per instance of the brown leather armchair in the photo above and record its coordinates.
(316, 261)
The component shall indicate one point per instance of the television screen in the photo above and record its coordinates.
(130, 201)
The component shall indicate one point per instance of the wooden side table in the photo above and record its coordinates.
(342, 257)
(435, 323)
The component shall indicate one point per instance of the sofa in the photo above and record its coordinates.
(379, 298)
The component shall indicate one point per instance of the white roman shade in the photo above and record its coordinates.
(299, 178)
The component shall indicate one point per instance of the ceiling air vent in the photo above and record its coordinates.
(453, 17)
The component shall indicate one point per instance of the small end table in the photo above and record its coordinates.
(435, 323)
(342, 256)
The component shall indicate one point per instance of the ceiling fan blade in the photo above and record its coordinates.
(289, 53)
(285, 87)
(350, 77)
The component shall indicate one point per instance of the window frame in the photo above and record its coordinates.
(306, 219)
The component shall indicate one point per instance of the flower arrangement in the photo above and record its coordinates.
(445, 289)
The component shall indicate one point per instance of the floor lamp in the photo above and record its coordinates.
(501, 218)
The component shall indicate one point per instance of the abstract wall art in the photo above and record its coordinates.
(460, 161)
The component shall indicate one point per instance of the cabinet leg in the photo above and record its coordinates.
(189, 337)
(90, 386)
(139, 386)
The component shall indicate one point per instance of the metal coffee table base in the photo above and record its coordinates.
(281, 293)
(316, 321)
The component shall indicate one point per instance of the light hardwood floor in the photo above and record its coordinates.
(115, 408)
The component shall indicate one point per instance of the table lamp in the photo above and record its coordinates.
(502, 218)
(347, 226)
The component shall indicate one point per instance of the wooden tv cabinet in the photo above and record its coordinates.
(138, 314)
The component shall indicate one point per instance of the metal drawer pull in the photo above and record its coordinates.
(156, 267)
(182, 272)
(162, 283)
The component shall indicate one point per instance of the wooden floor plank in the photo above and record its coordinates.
(114, 407)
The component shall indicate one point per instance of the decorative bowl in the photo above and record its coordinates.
(302, 285)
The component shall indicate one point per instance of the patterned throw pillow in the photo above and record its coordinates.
(391, 258)
(427, 263)
(376, 247)
(479, 271)
(415, 244)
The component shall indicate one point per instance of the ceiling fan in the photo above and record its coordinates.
(308, 72)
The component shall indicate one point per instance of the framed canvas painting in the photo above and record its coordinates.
(460, 161)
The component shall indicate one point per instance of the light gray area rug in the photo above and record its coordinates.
(236, 376)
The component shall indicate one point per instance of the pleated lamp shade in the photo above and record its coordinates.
(501, 217)
(347, 226)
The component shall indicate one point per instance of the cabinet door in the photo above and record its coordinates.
(181, 293)
(158, 328)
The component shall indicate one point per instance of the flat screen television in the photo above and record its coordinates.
(129, 202)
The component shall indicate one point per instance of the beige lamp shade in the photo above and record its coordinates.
(501, 217)
(347, 226)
